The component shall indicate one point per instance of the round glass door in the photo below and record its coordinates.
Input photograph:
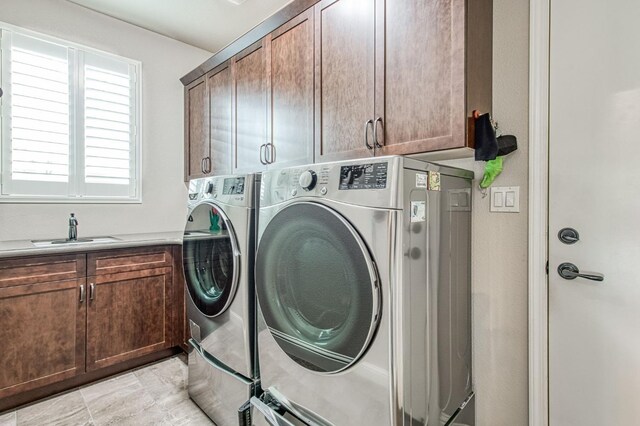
(317, 287)
(210, 259)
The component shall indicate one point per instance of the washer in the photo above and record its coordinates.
(363, 284)
(218, 259)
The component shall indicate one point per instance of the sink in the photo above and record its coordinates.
(197, 234)
(96, 240)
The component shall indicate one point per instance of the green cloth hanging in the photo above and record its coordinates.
(492, 170)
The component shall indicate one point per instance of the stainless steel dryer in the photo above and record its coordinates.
(363, 285)
(218, 256)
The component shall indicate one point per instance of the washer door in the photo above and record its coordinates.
(317, 287)
(211, 259)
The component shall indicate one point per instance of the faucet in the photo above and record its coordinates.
(73, 228)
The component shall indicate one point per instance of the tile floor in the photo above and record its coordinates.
(152, 395)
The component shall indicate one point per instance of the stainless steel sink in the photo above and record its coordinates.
(96, 240)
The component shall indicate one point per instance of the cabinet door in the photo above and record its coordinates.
(420, 90)
(196, 110)
(291, 66)
(344, 80)
(219, 86)
(250, 80)
(129, 315)
(42, 333)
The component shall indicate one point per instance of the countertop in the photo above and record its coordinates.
(17, 248)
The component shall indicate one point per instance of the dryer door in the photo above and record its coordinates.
(317, 287)
(211, 259)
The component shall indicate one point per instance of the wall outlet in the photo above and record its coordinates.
(505, 199)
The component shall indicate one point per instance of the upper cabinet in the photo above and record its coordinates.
(421, 103)
(345, 86)
(274, 99)
(196, 126)
(431, 56)
(291, 75)
(250, 108)
(343, 79)
(220, 86)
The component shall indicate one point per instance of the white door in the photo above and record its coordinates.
(594, 327)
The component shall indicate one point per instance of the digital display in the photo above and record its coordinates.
(233, 186)
(363, 176)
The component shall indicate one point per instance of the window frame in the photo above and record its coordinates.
(76, 134)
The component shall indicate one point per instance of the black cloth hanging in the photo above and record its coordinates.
(485, 139)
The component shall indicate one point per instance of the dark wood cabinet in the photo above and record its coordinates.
(388, 77)
(429, 64)
(69, 316)
(250, 107)
(345, 71)
(130, 298)
(197, 146)
(220, 100)
(128, 316)
(290, 64)
(42, 321)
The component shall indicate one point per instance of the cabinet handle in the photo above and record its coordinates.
(81, 293)
(207, 165)
(263, 149)
(375, 132)
(202, 166)
(272, 153)
(92, 291)
(366, 134)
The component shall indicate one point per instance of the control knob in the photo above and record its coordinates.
(308, 180)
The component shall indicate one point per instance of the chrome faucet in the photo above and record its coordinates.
(73, 228)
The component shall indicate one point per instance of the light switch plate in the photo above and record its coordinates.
(505, 199)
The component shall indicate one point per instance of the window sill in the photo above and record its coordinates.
(15, 199)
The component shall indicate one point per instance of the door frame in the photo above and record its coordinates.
(539, 51)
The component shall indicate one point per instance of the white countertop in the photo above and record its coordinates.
(26, 248)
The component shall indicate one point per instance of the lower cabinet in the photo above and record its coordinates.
(128, 316)
(42, 334)
(65, 317)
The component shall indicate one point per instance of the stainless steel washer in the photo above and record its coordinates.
(218, 260)
(363, 284)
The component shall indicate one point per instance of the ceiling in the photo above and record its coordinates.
(207, 24)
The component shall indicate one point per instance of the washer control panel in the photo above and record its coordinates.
(233, 186)
(363, 176)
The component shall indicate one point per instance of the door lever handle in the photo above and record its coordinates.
(569, 271)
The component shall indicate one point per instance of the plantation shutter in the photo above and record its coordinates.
(69, 122)
(109, 156)
(37, 116)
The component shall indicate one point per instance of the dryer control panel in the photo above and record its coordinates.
(363, 176)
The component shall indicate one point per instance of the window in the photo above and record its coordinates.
(69, 122)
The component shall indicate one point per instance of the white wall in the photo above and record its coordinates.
(164, 61)
(499, 247)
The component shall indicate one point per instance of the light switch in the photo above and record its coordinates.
(505, 199)
(497, 199)
(510, 199)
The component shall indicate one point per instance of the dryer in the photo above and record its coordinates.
(218, 256)
(363, 287)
